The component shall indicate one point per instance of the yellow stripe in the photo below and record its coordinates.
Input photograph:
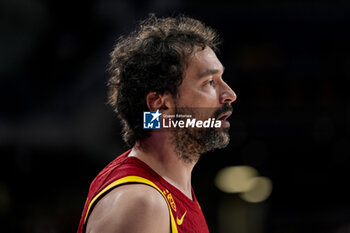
(133, 179)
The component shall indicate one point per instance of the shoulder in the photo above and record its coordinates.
(130, 208)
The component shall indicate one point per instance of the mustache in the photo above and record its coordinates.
(225, 108)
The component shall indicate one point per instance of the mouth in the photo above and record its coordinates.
(224, 116)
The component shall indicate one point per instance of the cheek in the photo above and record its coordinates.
(208, 94)
(205, 97)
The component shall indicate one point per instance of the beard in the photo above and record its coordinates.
(191, 143)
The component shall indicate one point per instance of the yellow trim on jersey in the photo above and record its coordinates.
(133, 179)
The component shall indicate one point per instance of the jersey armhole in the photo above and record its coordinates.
(132, 179)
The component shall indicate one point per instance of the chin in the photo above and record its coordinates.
(226, 141)
(222, 140)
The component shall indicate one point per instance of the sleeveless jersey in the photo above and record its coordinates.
(185, 214)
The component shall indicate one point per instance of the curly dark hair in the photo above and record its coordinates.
(152, 59)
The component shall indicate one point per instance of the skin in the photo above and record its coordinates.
(139, 208)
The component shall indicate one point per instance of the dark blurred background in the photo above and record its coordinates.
(288, 62)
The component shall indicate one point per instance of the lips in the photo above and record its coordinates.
(224, 116)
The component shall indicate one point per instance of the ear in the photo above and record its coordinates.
(156, 101)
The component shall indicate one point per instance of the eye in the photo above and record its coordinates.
(210, 82)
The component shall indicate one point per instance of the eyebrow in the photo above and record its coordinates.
(210, 72)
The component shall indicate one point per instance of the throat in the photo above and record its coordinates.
(172, 169)
(186, 191)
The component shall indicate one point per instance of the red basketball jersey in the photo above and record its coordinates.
(185, 214)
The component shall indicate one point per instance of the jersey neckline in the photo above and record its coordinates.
(173, 190)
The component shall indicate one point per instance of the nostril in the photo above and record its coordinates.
(229, 97)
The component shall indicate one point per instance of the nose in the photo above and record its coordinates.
(227, 95)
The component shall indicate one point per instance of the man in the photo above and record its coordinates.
(168, 66)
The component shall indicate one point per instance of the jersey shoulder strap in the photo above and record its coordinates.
(132, 179)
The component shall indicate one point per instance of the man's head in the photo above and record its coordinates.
(153, 59)
(204, 95)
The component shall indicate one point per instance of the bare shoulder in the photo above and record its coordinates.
(130, 208)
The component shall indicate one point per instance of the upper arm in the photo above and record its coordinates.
(130, 208)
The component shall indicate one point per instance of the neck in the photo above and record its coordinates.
(158, 152)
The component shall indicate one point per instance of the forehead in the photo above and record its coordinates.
(202, 61)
